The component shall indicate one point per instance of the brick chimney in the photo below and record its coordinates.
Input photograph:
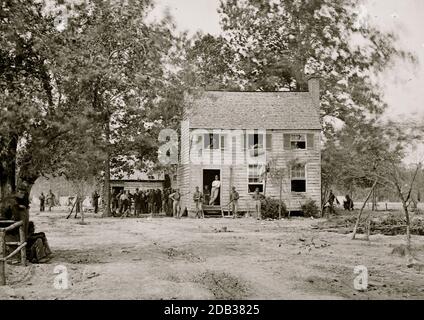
(313, 88)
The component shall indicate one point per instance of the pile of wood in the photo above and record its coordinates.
(381, 223)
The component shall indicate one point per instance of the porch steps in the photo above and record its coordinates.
(212, 211)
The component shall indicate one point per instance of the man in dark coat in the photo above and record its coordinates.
(42, 199)
(158, 200)
(137, 202)
(95, 199)
(37, 247)
(151, 201)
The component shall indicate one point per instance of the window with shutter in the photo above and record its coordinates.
(287, 141)
(310, 141)
(268, 141)
(243, 141)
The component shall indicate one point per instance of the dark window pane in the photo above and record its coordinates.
(252, 187)
(298, 145)
(298, 185)
(211, 141)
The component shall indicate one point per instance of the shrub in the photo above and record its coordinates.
(310, 208)
(269, 208)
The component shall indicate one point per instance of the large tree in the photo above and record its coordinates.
(121, 72)
(278, 43)
(35, 124)
(84, 85)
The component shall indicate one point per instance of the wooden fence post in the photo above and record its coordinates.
(2, 256)
(21, 240)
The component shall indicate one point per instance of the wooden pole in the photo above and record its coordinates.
(2, 261)
(22, 239)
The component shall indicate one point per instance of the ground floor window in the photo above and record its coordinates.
(255, 180)
(298, 178)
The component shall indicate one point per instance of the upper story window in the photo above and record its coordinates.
(298, 141)
(255, 143)
(211, 141)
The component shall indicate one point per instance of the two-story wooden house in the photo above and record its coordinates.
(265, 140)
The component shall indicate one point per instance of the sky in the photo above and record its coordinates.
(403, 84)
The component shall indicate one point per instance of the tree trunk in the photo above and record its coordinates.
(8, 169)
(408, 226)
(106, 178)
(358, 218)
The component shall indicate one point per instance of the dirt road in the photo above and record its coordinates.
(164, 258)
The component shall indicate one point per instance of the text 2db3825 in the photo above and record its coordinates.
(234, 309)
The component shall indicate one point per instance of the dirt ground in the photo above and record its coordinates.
(215, 258)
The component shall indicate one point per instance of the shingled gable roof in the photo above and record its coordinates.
(253, 110)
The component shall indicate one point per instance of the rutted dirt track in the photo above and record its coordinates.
(164, 258)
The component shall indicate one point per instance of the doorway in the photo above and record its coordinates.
(116, 190)
(208, 178)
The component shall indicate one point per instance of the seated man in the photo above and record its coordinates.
(37, 246)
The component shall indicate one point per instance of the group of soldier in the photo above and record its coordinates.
(48, 200)
(151, 201)
(200, 199)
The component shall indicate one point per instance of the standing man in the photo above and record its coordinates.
(170, 202)
(216, 185)
(95, 199)
(143, 202)
(160, 200)
(125, 198)
(257, 197)
(176, 206)
(130, 200)
(331, 198)
(152, 199)
(234, 196)
(50, 199)
(198, 201)
(114, 201)
(137, 202)
(123, 202)
(42, 202)
(165, 201)
(206, 194)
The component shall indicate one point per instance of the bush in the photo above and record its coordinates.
(269, 208)
(310, 209)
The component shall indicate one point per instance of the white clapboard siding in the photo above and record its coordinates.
(191, 174)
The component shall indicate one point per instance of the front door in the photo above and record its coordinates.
(208, 178)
